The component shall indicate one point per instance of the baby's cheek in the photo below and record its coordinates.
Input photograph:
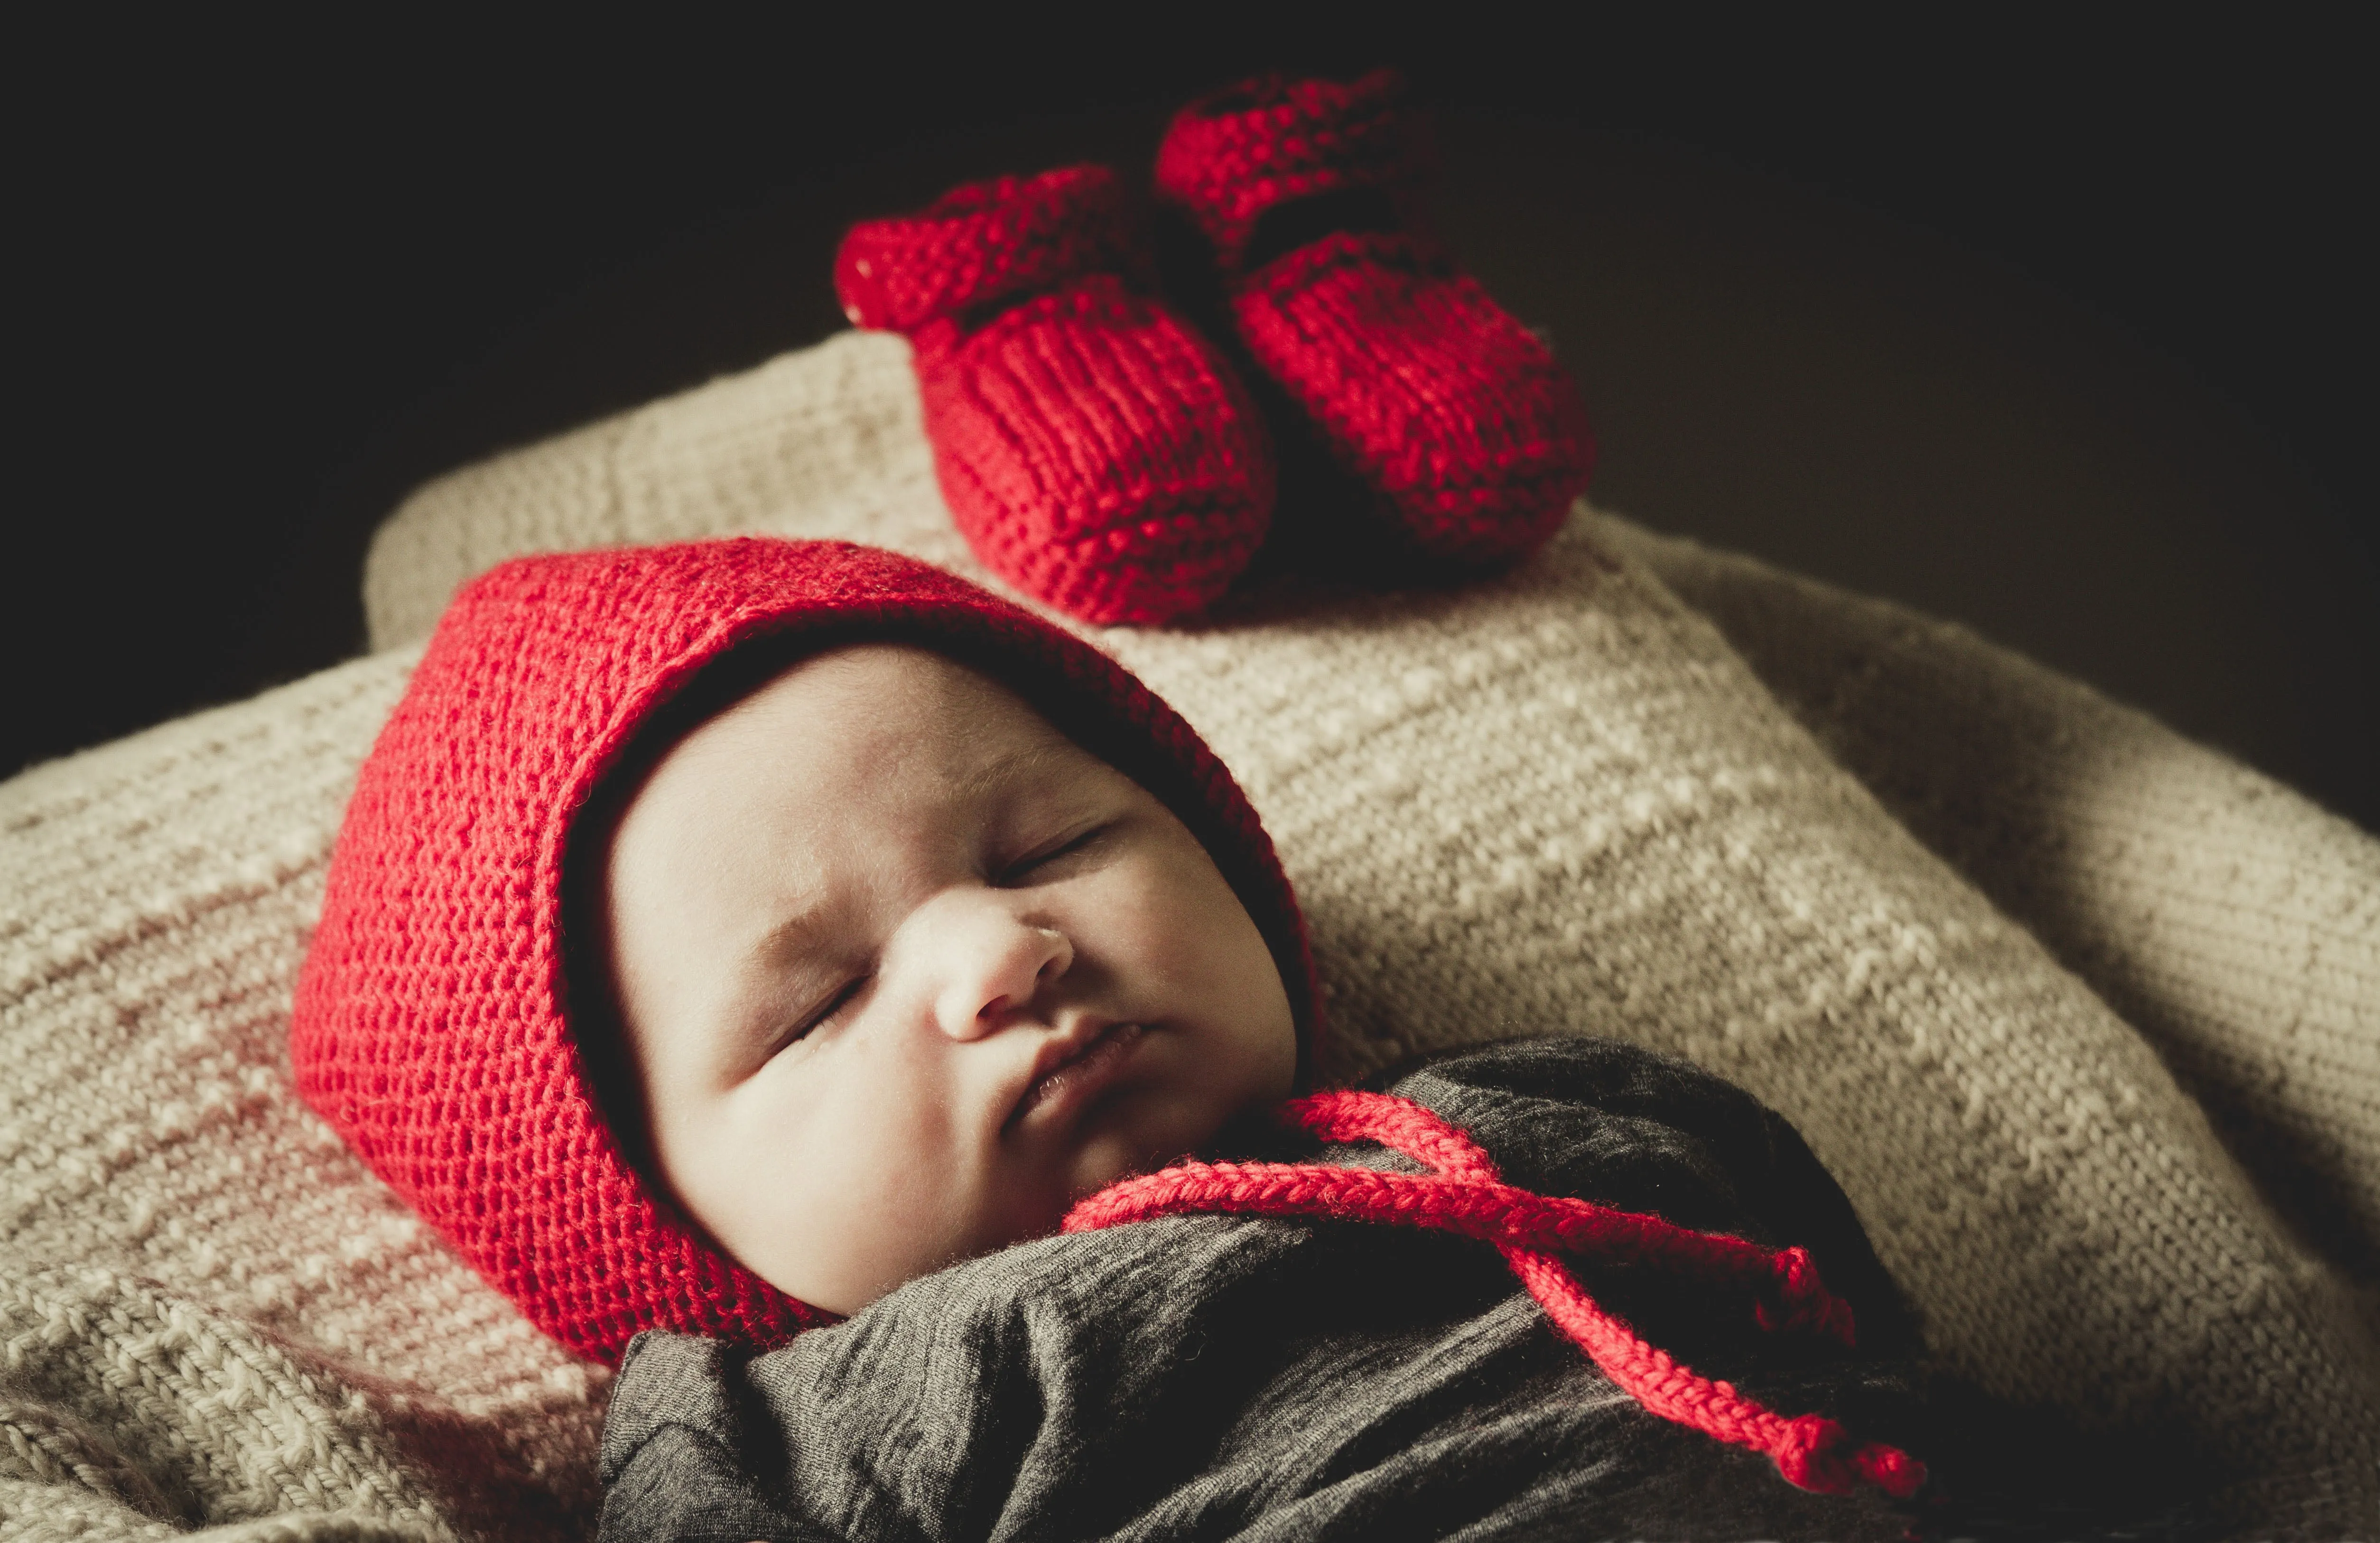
(1162, 915)
(797, 1186)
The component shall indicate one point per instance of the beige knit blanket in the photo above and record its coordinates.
(1561, 800)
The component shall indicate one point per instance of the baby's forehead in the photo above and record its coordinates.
(872, 725)
(900, 696)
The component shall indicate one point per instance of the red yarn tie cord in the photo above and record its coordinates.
(1467, 1195)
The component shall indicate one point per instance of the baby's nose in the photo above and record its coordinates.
(995, 963)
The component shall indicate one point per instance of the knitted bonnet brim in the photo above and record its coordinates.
(433, 1026)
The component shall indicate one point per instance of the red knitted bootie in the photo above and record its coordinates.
(1095, 452)
(1472, 439)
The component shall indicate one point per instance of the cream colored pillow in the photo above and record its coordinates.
(2231, 921)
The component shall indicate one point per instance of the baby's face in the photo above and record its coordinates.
(904, 972)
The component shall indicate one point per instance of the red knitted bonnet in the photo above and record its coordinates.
(432, 1023)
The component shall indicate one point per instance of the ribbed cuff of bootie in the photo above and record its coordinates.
(1231, 157)
(1468, 433)
(982, 244)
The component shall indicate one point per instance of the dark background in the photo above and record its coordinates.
(2062, 332)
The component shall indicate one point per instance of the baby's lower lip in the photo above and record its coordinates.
(1084, 1076)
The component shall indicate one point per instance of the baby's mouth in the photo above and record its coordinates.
(1080, 1073)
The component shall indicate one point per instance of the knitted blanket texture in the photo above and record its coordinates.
(2083, 1019)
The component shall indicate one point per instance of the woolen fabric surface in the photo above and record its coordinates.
(2229, 920)
(214, 1320)
(1219, 1378)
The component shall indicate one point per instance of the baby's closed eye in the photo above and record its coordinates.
(1057, 858)
(821, 1012)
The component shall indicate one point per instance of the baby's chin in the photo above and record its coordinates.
(1111, 1156)
(1119, 1154)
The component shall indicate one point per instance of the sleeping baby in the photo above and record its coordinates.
(874, 1021)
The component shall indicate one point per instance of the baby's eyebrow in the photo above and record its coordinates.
(798, 933)
(1030, 764)
(791, 938)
